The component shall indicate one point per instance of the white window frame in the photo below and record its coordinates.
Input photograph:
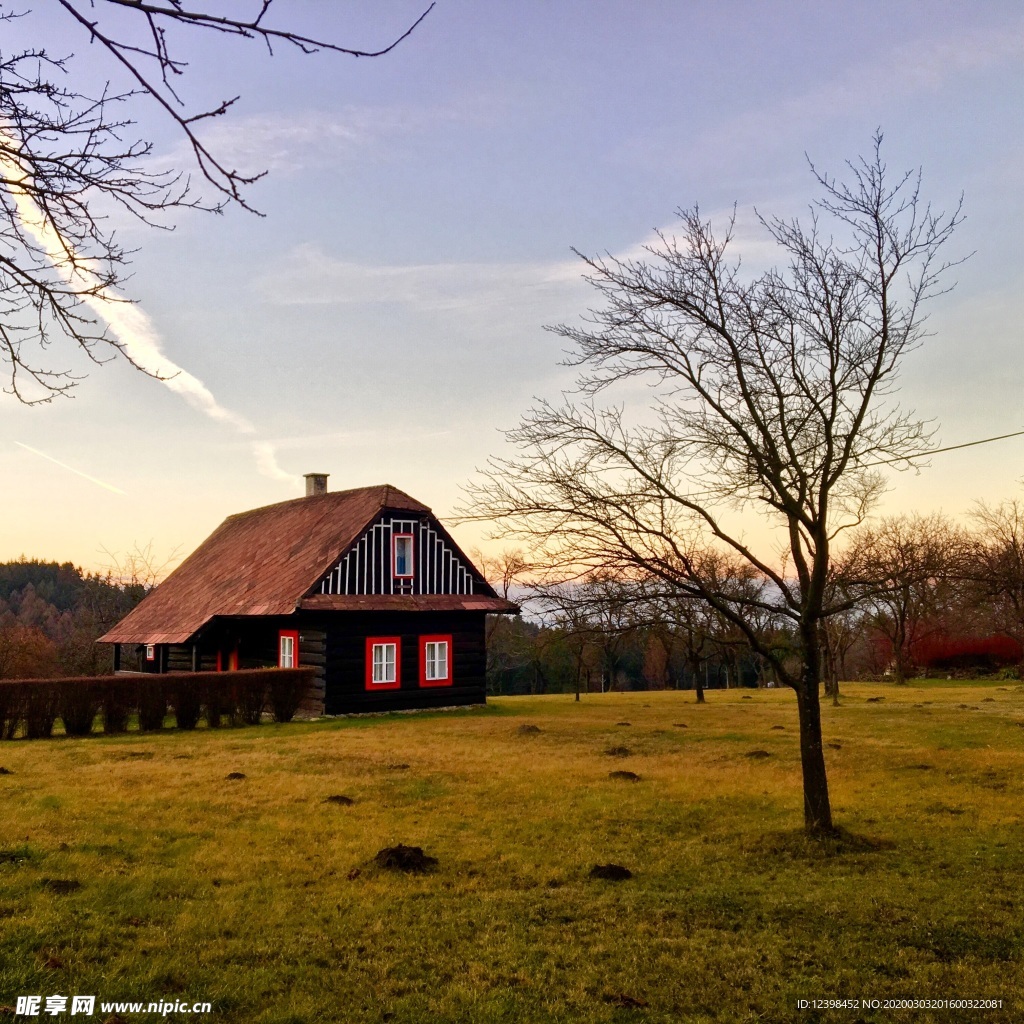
(287, 649)
(384, 671)
(435, 668)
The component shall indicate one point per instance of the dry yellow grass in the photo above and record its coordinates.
(259, 896)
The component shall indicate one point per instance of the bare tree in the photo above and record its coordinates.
(771, 392)
(67, 158)
(995, 563)
(907, 568)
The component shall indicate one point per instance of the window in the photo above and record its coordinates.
(436, 660)
(288, 648)
(150, 652)
(401, 555)
(383, 663)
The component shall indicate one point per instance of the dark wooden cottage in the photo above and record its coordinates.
(364, 585)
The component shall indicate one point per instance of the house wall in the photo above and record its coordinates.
(334, 643)
(346, 656)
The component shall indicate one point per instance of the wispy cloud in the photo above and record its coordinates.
(70, 469)
(312, 277)
(309, 276)
(133, 329)
(282, 144)
(904, 69)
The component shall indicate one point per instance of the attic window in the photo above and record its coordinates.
(401, 556)
(383, 668)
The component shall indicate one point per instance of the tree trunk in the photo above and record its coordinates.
(697, 684)
(817, 807)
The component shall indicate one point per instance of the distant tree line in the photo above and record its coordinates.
(917, 594)
(51, 615)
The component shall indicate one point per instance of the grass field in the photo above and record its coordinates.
(131, 868)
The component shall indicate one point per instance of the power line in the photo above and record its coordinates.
(951, 448)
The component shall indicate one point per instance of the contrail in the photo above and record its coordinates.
(131, 326)
(70, 469)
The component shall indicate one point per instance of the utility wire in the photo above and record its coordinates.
(951, 448)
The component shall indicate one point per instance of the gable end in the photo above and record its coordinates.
(369, 566)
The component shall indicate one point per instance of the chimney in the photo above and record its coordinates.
(316, 483)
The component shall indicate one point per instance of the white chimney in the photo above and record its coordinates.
(316, 483)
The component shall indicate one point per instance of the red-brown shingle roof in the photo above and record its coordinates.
(260, 562)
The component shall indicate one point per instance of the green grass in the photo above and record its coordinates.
(261, 898)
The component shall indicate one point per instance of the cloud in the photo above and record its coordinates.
(920, 65)
(133, 329)
(283, 144)
(70, 469)
(309, 276)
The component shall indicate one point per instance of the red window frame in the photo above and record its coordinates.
(439, 638)
(371, 642)
(395, 537)
(150, 652)
(294, 634)
(233, 658)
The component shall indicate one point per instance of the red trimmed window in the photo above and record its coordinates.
(150, 652)
(232, 660)
(401, 556)
(436, 660)
(288, 648)
(383, 662)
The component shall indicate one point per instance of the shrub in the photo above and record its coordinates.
(187, 701)
(288, 689)
(79, 703)
(152, 704)
(120, 699)
(218, 698)
(41, 707)
(11, 709)
(250, 697)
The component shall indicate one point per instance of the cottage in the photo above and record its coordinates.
(364, 585)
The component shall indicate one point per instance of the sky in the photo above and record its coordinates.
(384, 321)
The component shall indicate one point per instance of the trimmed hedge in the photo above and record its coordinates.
(31, 707)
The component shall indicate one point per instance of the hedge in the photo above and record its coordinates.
(29, 708)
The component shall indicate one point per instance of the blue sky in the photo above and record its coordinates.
(384, 320)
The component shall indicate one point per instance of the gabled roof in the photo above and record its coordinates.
(261, 562)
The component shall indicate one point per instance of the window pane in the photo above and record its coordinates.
(403, 556)
(435, 657)
(383, 663)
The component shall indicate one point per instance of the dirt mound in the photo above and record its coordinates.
(235, 776)
(623, 723)
(528, 730)
(680, 725)
(757, 754)
(404, 858)
(746, 696)
(337, 798)
(628, 1002)
(778, 727)
(625, 776)
(397, 767)
(610, 872)
(618, 751)
(61, 886)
